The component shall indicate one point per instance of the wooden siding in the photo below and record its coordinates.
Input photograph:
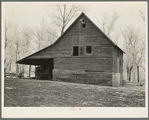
(100, 59)
(98, 64)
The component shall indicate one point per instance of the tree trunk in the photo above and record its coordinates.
(9, 66)
(127, 73)
(130, 73)
(138, 73)
(62, 31)
(23, 70)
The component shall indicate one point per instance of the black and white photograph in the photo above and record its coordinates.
(74, 59)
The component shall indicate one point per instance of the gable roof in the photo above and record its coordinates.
(20, 61)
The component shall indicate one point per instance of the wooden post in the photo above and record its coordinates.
(29, 71)
(16, 70)
(138, 73)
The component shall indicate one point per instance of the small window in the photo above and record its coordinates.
(88, 49)
(82, 23)
(75, 51)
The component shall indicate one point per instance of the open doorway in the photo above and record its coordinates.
(45, 70)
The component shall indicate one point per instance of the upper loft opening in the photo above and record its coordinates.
(82, 23)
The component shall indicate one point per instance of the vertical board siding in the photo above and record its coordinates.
(85, 64)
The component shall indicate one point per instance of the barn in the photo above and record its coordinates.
(83, 54)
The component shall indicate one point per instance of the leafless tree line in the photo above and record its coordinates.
(135, 50)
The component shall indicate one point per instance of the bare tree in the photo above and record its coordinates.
(22, 37)
(25, 44)
(51, 37)
(11, 44)
(64, 14)
(116, 39)
(107, 22)
(142, 60)
(134, 49)
(8, 28)
(27, 38)
(17, 48)
(44, 35)
(39, 33)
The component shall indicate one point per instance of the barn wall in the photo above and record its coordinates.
(99, 63)
(101, 57)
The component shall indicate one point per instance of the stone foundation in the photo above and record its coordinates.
(80, 76)
(117, 79)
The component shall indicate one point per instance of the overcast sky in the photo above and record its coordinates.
(32, 13)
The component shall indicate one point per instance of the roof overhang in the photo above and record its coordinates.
(45, 61)
(120, 49)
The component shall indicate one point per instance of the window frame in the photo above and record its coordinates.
(84, 25)
(73, 51)
(91, 50)
(82, 22)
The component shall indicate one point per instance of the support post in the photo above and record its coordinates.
(29, 71)
(16, 70)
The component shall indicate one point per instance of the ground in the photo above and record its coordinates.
(37, 93)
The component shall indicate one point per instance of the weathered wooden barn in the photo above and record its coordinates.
(83, 53)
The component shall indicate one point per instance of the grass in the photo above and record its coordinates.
(36, 93)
